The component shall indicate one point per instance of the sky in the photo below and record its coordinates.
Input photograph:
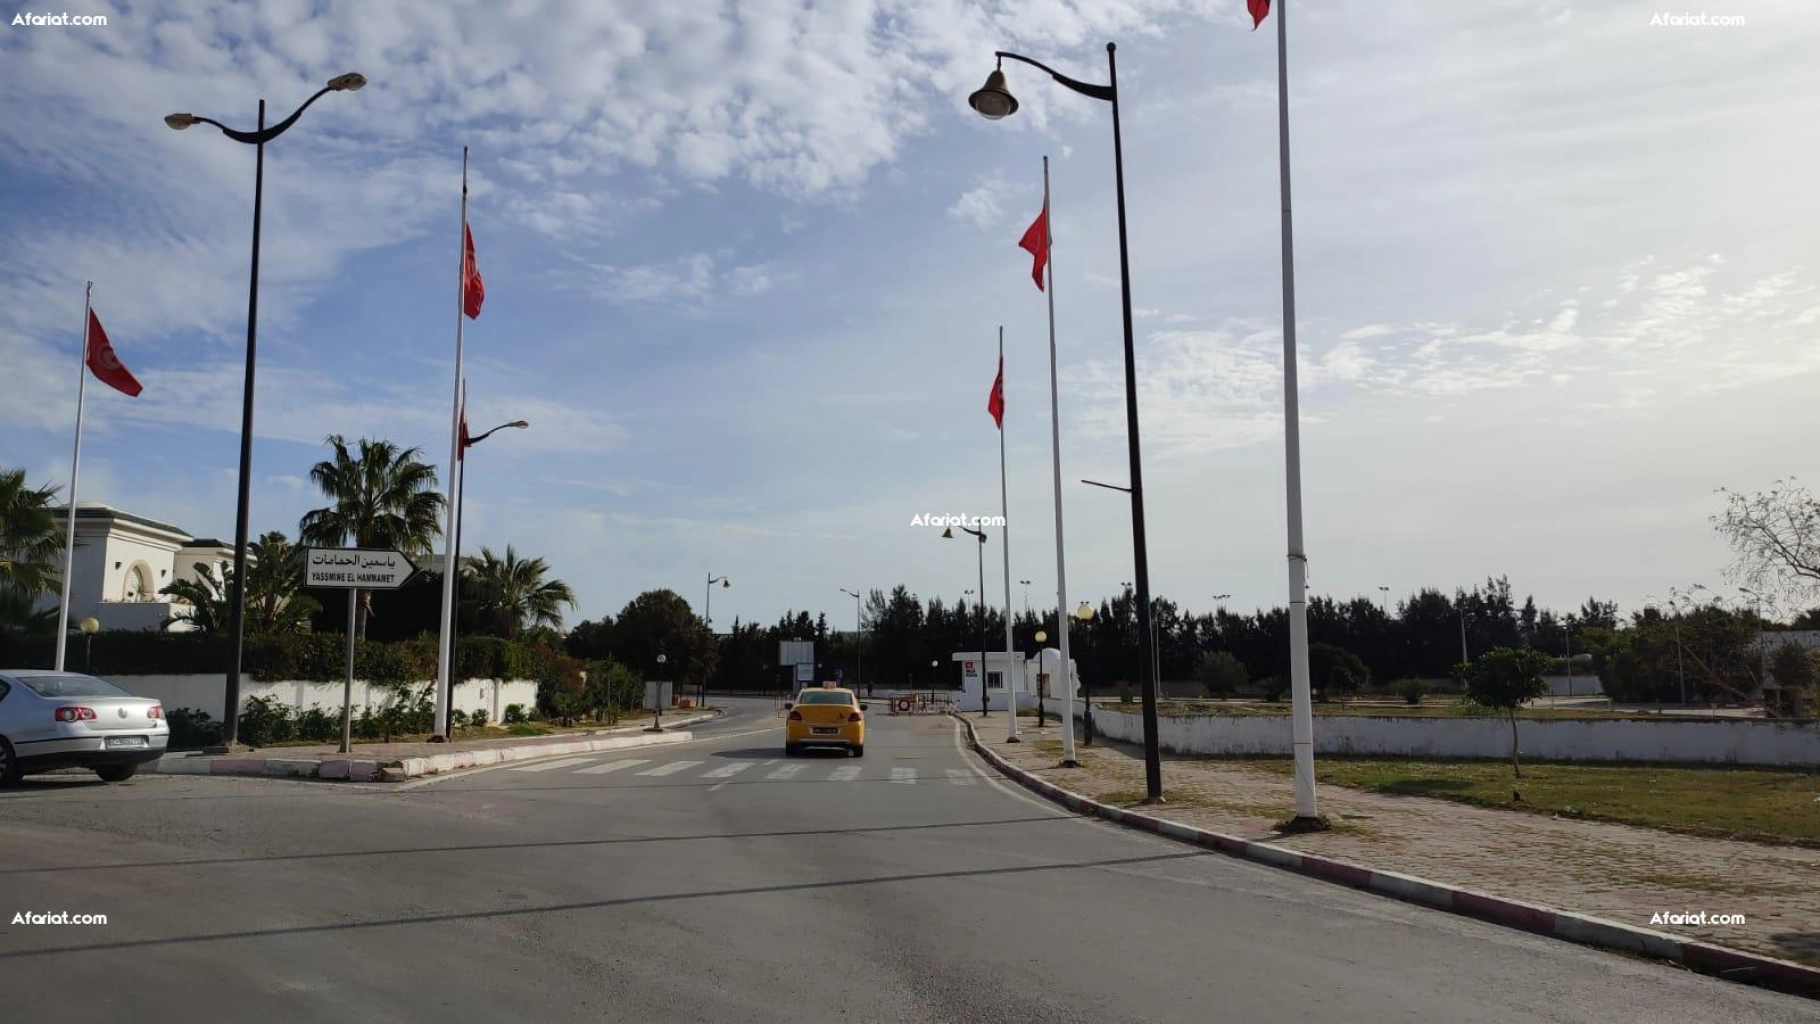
(747, 263)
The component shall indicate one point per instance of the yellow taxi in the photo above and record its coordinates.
(825, 717)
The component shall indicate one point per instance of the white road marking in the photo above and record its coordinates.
(670, 769)
(567, 762)
(728, 771)
(845, 773)
(611, 766)
(788, 771)
(906, 775)
(960, 776)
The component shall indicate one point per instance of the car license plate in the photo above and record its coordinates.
(126, 741)
(830, 731)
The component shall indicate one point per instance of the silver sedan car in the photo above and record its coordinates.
(51, 720)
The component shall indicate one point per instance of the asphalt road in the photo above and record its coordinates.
(720, 881)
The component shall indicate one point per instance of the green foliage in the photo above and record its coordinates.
(512, 594)
(515, 715)
(191, 729)
(1503, 679)
(1332, 669)
(31, 542)
(1273, 687)
(381, 496)
(1221, 673)
(265, 721)
(1411, 690)
(478, 719)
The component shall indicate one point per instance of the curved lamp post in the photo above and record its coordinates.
(994, 101)
(461, 507)
(985, 703)
(859, 627)
(350, 82)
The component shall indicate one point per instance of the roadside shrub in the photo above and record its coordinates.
(479, 719)
(526, 729)
(265, 721)
(192, 729)
(515, 715)
(319, 726)
(1411, 690)
(457, 717)
(1273, 688)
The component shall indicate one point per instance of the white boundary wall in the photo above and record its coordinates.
(205, 693)
(1729, 741)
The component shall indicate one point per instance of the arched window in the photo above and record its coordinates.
(138, 583)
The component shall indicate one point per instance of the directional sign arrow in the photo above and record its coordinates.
(357, 568)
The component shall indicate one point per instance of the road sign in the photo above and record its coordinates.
(796, 652)
(357, 568)
(805, 673)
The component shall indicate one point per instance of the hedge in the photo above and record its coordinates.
(311, 657)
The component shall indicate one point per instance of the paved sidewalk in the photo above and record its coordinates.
(1618, 872)
(393, 762)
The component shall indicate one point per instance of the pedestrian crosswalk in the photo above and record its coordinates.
(726, 772)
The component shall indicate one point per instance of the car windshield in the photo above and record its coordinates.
(72, 686)
(825, 697)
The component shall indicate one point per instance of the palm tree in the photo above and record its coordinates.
(275, 601)
(512, 593)
(384, 497)
(30, 542)
(205, 599)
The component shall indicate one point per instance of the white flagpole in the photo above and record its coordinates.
(69, 537)
(1004, 532)
(445, 648)
(1055, 440)
(1301, 700)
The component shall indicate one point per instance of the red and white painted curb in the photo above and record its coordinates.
(353, 769)
(1729, 964)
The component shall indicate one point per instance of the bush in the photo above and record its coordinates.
(191, 729)
(1274, 687)
(319, 726)
(515, 715)
(265, 721)
(1221, 673)
(457, 718)
(1411, 690)
(479, 719)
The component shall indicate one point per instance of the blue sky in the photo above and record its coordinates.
(746, 264)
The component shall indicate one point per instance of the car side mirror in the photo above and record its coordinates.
(789, 704)
(865, 707)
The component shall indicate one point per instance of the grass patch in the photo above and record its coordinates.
(1759, 805)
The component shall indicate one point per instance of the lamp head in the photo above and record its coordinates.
(91, 626)
(179, 122)
(350, 82)
(948, 534)
(661, 659)
(518, 424)
(993, 100)
(1041, 636)
(725, 583)
(1084, 612)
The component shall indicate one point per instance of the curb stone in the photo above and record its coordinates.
(353, 769)
(1728, 964)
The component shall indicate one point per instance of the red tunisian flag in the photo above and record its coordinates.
(1036, 242)
(473, 292)
(996, 403)
(106, 365)
(1260, 9)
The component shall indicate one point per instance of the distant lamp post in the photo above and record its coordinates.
(350, 82)
(985, 701)
(1384, 600)
(461, 508)
(657, 699)
(707, 604)
(1083, 615)
(859, 626)
(90, 626)
(1042, 637)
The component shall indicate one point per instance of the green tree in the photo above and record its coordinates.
(30, 548)
(275, 601)
(1793, 669)
(204, 600)
(661, 622)
(513, 594)
(1333, 669)
(1503, 679)
(382, 496)
(1221, 673)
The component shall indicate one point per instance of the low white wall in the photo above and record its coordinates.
(1736, 741)
(206, 693)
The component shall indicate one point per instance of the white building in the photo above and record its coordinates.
(1024, 672)
(123, 560)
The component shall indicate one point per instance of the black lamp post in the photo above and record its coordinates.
(994, 101)
(985, 701)
(1041, 638)
(350, 82)
(1084, 615)
(461, 507)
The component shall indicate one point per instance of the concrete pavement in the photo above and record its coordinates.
(709, 883)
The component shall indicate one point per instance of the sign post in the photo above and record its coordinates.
(354, 570)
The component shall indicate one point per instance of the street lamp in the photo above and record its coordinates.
(1042, 637)
(707, 604)
(230, 719)
(461, 507)
(89, 626)
(994, 101)
(1026, 584)
(657, 699)
(1384, 600)
(859, 626)
(985, 705)
(1083, 615)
